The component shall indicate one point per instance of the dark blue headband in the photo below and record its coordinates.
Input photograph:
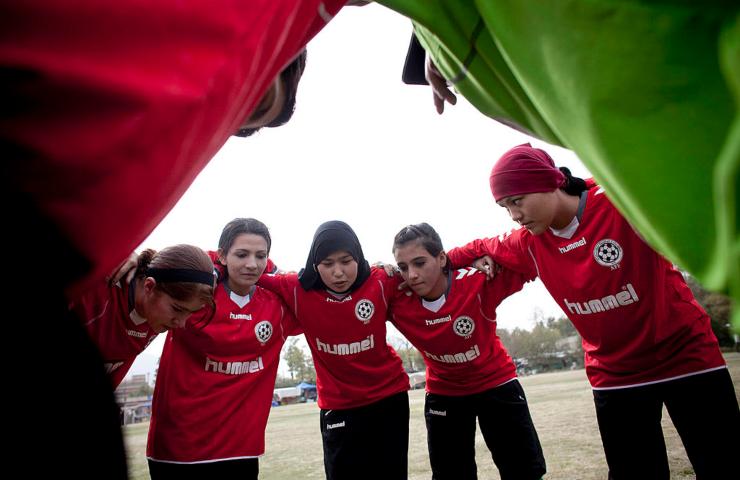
(169, 275)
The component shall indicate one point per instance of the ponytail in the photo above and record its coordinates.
(142, 263)
(573, 185)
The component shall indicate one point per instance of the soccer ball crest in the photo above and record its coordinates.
(463, 326)
(608, 253)
(263, 331)
(364, 310)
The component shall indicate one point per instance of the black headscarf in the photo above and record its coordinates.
(331, 237)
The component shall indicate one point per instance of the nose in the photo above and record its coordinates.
(515, 214)
(250, 263)
(337, 271)
(413, 273)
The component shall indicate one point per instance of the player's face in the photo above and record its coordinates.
(422, 271)
(164, 312)
(533, 211)
(269, 107)
(245, 261)
(338, 271)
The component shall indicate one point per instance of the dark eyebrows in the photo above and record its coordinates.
(183, 308)
(508, 200)
(244, 250)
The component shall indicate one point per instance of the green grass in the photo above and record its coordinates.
(561, 405)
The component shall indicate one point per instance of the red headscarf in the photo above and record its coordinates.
(524, 169)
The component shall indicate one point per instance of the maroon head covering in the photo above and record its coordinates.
(524, 169)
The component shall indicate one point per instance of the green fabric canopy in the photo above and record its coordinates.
(646, 93)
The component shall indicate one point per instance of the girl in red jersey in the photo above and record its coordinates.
(647, 342)
(166, 288)
(215, 383)
(451, 319)
(341, 304)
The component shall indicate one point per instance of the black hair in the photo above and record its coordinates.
(239, 226)
(573, 185)
(424, 233)
(290, 76)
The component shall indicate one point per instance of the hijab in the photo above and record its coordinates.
(331, 237)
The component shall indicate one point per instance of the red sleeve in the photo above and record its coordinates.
(505, 283)
(117, 375)
(290, 325)
(508, 249)
(125, 102)
(282, 285)
(270, 267)
(202, 317)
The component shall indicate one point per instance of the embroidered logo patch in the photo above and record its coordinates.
(463, 326)
(263, 331)
(364, 310)
(608, 253)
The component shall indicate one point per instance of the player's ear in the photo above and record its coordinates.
(149, 284)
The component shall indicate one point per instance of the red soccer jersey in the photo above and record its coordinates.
(354, 364)
(459, 344)
(637, 317)
(118, 331)
(214, 385)
(119, 105)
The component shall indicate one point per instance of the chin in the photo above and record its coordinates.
(421, 292)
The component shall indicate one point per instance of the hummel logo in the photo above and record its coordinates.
(573, 245)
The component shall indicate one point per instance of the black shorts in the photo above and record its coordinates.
(505, 423)
(368, 442)
(703, 409)
(239, 469)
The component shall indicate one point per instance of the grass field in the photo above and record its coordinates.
(562, 409)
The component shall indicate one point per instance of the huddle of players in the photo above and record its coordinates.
(646, 340)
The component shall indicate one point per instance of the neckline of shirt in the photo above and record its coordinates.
(571, 228)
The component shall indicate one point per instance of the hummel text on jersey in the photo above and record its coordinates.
(111, 367)
(339, 300)
(136, 333)
(626, 297)
(235, 368)
(439, 413)
(240, 316)
(438, 320)
(572, 246)
(329, 426)
(346, 348)
(461, 357)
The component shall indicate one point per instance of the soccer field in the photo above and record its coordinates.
(562, 410)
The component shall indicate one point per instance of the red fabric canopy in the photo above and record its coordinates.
(117, 106)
